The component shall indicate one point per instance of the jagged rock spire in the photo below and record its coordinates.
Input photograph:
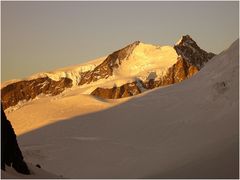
(185, 39)
(188, 49)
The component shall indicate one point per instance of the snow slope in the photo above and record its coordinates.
(36, 173)
(147, 58)
(46, 110)
(187, 130)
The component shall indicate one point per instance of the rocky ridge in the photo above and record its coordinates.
(105, 69)
(25, 90)
(126, 90)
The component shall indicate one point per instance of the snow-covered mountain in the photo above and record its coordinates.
(186, 130)
(126, 72)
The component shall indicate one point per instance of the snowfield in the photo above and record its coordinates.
(147, 58)
(36, 173)
(186, 130)
(45, 110)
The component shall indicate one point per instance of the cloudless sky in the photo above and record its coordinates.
(43, 36)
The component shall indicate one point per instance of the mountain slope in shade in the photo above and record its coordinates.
(36, 173)
(141, 64)
(187, 130)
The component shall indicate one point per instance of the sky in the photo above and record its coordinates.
(43, 36)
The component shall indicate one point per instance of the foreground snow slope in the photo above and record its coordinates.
(187, 130)
(46, 110)
(36, 173)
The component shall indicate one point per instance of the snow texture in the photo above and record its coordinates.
(36, 173)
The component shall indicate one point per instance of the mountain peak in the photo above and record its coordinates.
(136, 42)
(133, 44)
(188, 49)
(105, 69)
(129, 48)
(185, 39)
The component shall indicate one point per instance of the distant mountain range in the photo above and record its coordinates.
(131, 70)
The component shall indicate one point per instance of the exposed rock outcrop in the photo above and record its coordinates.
(11, 154)
(180, 71)
(29, 89)
(126, 90)
(188, 49)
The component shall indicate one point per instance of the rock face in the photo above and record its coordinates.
(11, 154)
(126, 90)
(188, 49)
(180, 71)
(29, 89)
(105, 69)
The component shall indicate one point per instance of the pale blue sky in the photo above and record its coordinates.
(42, 36)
